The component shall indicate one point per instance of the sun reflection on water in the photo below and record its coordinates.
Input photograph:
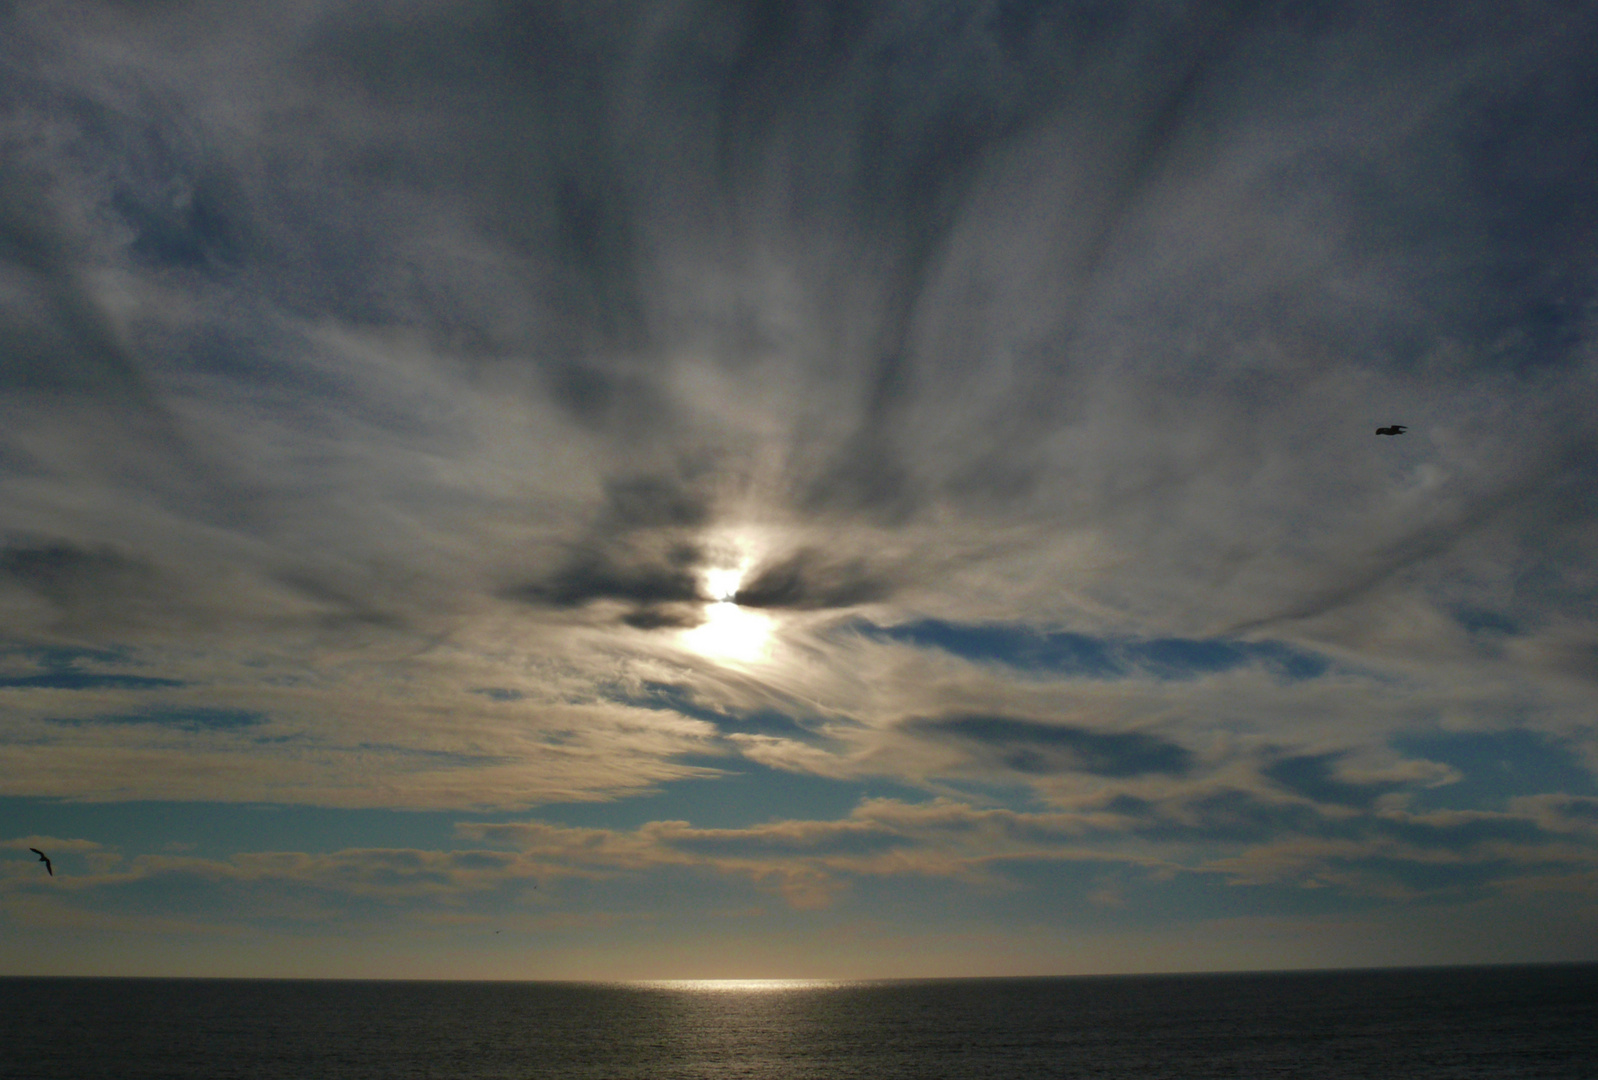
(722, 986)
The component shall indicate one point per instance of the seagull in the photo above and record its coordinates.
(1396, 429)
(44, 859)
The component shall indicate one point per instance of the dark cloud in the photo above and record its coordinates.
(528, 96)
(642, 549)
(59, 343)
(875, 146)
(808, 580)
(664, 617)
(344, 602)
(651, 502)
(1038, 748)
(869, 481)
(628, 403)
(604, 576)
(70, 575)
(196, 229)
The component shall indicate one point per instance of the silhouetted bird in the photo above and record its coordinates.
(1396, 429)
(44, 859)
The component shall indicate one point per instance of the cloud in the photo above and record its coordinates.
(1560, 813)
(63, 573)
(428, 756)
(804, 580)
(594, 578)
(809, 862)
(642, 550)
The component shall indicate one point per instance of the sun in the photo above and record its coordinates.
(729, 632)
(722, 582)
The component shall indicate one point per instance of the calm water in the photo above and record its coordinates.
(1533, 1022)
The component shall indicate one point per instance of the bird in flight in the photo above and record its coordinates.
(44, 859)
(1396, 429)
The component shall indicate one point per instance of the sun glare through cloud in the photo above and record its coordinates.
(722, 582)
(730, 632)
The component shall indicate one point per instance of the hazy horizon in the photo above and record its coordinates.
(757, 984)
(731, 488)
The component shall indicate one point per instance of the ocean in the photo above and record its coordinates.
(1530, 1023)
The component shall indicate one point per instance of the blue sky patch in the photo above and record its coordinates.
(498, 693)
(1043, 749)
(744, 794)
(659, 695)
(215, 830)
(1220, 816)
(64, 669)
(441, 757)
(1482, 621)
(1313, 776)
(1069, 653)
(84, 680)
(1496, 766)
(734, 844)
(184, 719)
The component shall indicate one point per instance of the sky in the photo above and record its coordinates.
(735, 488)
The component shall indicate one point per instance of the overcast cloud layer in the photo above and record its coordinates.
(944, 430)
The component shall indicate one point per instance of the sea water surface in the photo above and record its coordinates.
(1521, 1022)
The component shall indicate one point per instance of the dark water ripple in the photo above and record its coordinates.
(1529, 1023)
